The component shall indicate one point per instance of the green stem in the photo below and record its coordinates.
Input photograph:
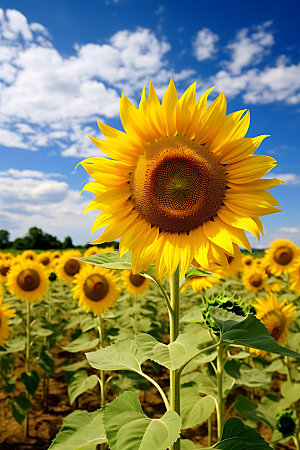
(211, 347)
(102, 374)
(209, 431)
(220, 366)
(174, 332)
(163, 395)
(27, 359)
(166, 297)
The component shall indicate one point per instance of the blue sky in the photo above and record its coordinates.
(64, 65)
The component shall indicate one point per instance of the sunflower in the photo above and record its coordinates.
(94, 250)
(276, 316)
(281, 256)
(233, 266)
(180, 183)
(45, 258)
(67, 268)
(29, 254)
(5, 265)
(295, 277)
(247, 261)
(254, 279)
(134, 283)
(28, 280)
(200, 283)
(5, 313)
(96, 288)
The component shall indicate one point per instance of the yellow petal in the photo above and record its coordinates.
(218, 234)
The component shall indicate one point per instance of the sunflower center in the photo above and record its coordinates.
(283, 255)
(137, 280)
(96, 287)
(256, 280)
(28, 280)
(3, 270)
(72, 267)
(177, 185)
(45, 260)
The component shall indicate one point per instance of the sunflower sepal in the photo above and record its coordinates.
(247, 331)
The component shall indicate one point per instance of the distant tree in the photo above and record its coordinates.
(67, 243)
(4, 239)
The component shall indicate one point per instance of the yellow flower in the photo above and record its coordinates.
(200, 283)
(45, 258)
(29, 254)
(135, 284)
(67, 268)
(28, 280)
(295, 277)
(180, 183)
(247, 261)
(5, 265)
(276, 316)
(5, 313)
(94, 250)
(96, 288)
(281, 256)
(254, 279)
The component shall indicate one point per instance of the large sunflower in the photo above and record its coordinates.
(96, 288)
(134, 283)
(276, 316)
(182, 181)
(281, 256)
(28, 280)
(5, 313)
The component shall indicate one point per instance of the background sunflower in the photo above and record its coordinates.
(135, 284)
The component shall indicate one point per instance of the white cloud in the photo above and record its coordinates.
(204, 44)
(33, 198)
(249, 47)
(292, 230)
(289, 178)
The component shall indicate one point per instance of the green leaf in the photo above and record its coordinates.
(19, 407)
(172, 355)
(290, 393)
(247, 331)
(207, 384)
(193, 316)
(31, 381)
(128, 428)
(186, 444)
(46, 362)
(194, 409)
(254, 411)
(80, 383)
(75, 366)
(80, 430)
(123, 355)
(81, 344)
(238, 436)
(13, 345)
(246, 375)
(109, 260)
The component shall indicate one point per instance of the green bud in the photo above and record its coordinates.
(286, 423)
(227, 303)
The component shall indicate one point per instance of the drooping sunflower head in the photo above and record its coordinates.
(5, 313)
(135, 284)
(281, 257)
(227, 303)
(254, 279)
(286, 423)
(276, 316)
(96, 288)
(181, 183)
(28, 280)
(67, 268)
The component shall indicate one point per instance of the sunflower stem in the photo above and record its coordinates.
(102, 373)
(174, 332)
(219, 374)
(27, 360)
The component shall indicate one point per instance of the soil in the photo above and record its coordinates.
(44, 423)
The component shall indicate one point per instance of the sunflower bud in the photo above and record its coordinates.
(286, 423)
(227, 303)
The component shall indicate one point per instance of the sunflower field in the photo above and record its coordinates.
(178, 340)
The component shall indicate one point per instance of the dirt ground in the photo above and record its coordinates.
(45, 423)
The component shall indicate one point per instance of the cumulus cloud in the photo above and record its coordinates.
(249, 47)
(204, 44)
(289, 178)
(33, 198)
(291, 230)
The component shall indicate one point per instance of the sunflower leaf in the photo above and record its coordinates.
(80, 383)
(109, 260)
(254, 411)
(80, 430)
(127, 426)
(247, 331)
(239, 436)
(194, 409)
